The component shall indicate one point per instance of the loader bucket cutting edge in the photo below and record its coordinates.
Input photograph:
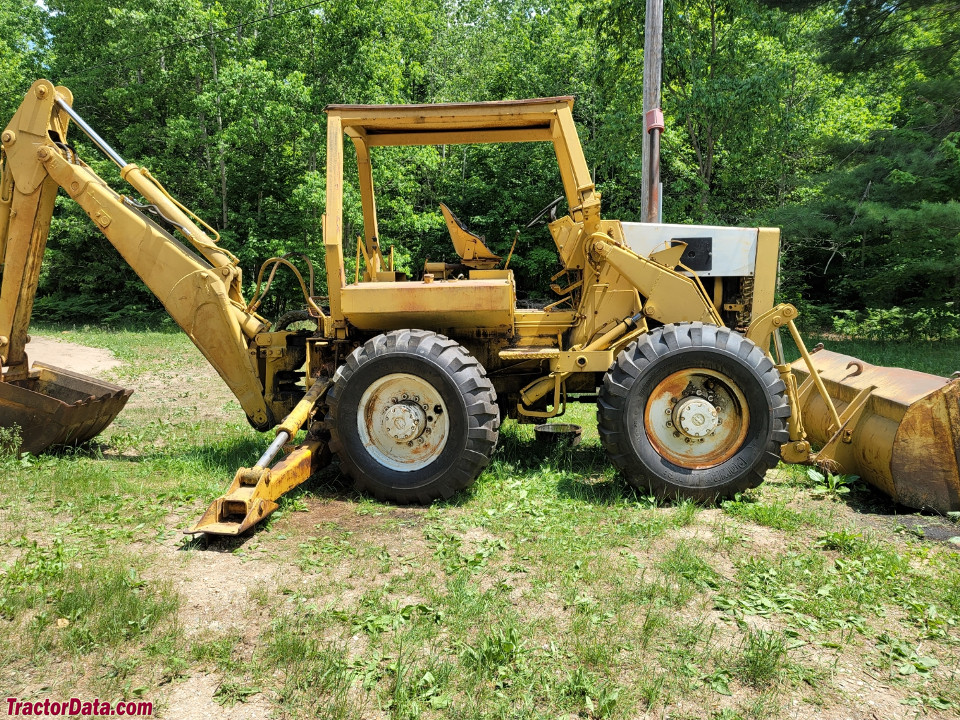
(905, 437)
(59, 407)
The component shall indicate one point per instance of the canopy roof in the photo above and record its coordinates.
(451, 123)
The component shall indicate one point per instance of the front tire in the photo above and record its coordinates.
(413, 417)
(693, 410)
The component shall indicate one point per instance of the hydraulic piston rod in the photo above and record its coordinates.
(91, 133)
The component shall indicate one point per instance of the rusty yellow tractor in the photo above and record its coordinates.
(671, 330)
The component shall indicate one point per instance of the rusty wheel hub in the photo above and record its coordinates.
(696, 418)
(403, 422)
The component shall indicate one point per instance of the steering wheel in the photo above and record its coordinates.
(551, 208)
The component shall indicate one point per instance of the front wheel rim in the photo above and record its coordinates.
(403, 422)
(696, 418)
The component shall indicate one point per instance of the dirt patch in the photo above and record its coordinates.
(193, 699)
(70, 356)
(193, 393)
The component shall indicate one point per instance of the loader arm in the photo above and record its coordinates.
(200, 290)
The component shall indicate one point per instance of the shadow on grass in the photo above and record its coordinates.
(883, 512)
(326, 484)
(583, 471)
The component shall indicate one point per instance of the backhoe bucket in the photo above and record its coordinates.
(59, 407)
(899, 429)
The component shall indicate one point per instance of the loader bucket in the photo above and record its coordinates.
(899, 429)
(59, 407)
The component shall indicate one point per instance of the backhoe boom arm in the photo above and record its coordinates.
(201, 294)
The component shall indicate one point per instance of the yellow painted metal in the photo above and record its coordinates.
(469, 246)
(333, 222)
(897, 429)
(156, 194)
(253, 494)
(438, 305)
(6, 200)
(202, 294)
(573, 361)
(671, 296)
(368, 200)
(544, 327)
(670, 257)
(764, 329)
(254, 491)
(764, 326)
(368, 126)
(529, 352)
(603, 282)
(491, 275)
(765, 271)
(538, 389)
(194, 293)
(301, 412)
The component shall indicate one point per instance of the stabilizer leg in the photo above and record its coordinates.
(254, 492)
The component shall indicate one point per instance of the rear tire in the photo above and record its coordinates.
(693, 410)
(413, 417)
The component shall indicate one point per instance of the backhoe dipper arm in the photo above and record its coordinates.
(201, 294)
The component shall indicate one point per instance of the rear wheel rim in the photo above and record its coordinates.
(696, 418)
(403, 422)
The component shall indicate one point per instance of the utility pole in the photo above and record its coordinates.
(652, 114)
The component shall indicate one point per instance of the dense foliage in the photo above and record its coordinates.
(837, 121)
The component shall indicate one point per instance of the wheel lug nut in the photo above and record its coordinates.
(669, 424)
(676, 433)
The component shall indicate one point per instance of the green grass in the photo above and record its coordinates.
(937, 358)
(549, 589)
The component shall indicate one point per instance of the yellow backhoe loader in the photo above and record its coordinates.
(671, 330)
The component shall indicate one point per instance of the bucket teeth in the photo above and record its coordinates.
(55, 406)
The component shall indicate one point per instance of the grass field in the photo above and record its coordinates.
(550, 589)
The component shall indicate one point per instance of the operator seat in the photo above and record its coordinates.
(469, 246)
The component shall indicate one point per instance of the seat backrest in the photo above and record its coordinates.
(469, 246)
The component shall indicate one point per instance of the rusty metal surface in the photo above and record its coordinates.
(403, 422)
(696, 418)
(441, 304)
(906, 438)
(59, 407)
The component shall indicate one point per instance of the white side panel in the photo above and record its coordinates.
(734, 249)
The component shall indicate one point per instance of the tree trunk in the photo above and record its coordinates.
(221, 152)
(204, 136)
